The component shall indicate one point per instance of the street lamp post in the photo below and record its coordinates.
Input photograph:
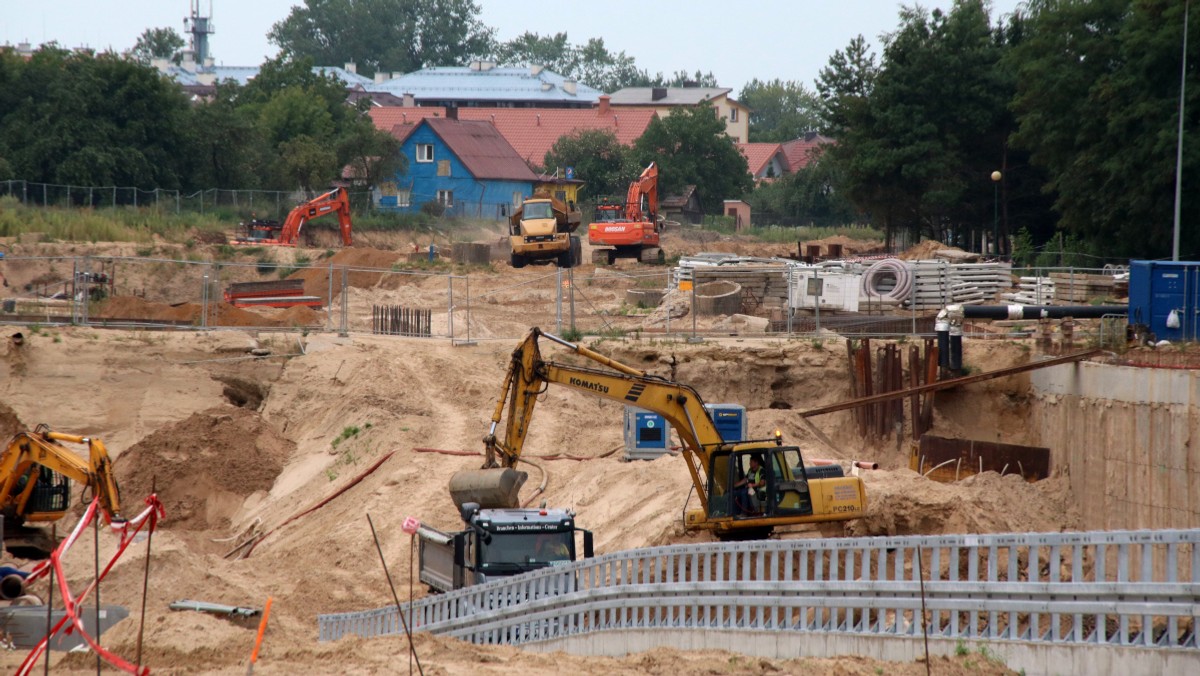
(996, 176)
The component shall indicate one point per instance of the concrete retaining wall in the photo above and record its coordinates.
(1124, 435)
(1029, 658)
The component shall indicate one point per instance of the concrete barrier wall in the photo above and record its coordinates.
(1027, 658)
(1128, 437)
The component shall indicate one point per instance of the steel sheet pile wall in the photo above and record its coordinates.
(1111, 588)
(1128, 438)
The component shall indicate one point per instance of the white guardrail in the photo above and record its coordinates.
(1125, 588)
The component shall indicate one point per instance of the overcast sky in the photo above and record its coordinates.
(737, 41)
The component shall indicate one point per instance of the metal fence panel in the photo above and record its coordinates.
(1121, 587)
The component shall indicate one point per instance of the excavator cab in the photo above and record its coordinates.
(786, 492)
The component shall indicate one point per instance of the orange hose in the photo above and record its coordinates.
(262, 629)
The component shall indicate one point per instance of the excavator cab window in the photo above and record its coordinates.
(51, 492)
(785, 492)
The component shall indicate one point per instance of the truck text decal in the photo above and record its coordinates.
(595, 387)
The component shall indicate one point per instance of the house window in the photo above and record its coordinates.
(733, 112)
(445, 198)
(518, 197)
(443, 167)
(425, 152)
(403, 198)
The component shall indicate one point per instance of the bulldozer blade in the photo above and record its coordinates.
(490, 488)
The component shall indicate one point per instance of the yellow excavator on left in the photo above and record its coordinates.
(36, 471)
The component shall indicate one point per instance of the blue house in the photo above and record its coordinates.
(464, 166)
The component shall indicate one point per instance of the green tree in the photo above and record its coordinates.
(83, 120)
(157, 43)
(384, 35)
(590, 63)
(919, 137)
(691, 148)
(806, 197)
(1097, 103)
(598, 158)
(307, 162)
(779, 110)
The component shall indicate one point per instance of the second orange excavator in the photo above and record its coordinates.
(273, 233)
(629, 230)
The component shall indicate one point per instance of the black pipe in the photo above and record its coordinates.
(956, 361)
(1041, 311)
(942, 329)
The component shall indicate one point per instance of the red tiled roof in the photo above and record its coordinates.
(800, 152)
(532, 131)
(481, 148)
(395, 119)
(758, 155)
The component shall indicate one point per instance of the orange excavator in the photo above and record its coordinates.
(629, 230)
(273, 233)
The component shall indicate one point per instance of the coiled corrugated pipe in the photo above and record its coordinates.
(896, 269)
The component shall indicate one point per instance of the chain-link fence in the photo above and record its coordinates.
(419, 298)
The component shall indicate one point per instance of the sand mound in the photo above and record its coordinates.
(902, 502)
(219, 314)
(300, 316)
(927, 250)
(204, 466)
(10, 424)
(316, 280)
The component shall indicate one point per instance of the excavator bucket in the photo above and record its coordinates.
(490, 488)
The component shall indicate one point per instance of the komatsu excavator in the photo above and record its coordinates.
(36, 471)
(793, 493)
(273, 233)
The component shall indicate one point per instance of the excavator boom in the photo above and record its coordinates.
(34, 471)
(336, 201)
(715, 466)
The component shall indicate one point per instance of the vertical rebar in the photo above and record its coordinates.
(399, 611)
(153, 517)
(924, 626)
(571, 285)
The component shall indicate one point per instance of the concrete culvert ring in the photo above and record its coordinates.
(721, 297)
(644, 297)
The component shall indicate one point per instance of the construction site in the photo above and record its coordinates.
(291, 416)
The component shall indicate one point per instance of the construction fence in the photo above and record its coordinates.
(418, 297)
(267, 203)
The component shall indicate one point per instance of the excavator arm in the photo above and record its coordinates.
(793, 494)
(528, 376)
(335, 201)
(29, 489)
(646, 186)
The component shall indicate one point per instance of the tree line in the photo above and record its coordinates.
(1073, 102)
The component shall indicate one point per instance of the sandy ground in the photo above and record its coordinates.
(238, 445)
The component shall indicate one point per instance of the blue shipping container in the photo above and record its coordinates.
(1156, 288)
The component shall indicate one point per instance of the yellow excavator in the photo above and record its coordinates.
(36, 471)
(792, 494)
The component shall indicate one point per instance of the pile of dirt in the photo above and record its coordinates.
(316, 279)
(204, 467)
(928, 250)
(902, 502)
(132, 307)
(10, 424)
(849, 246)
(300, 316)
(219, 314)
